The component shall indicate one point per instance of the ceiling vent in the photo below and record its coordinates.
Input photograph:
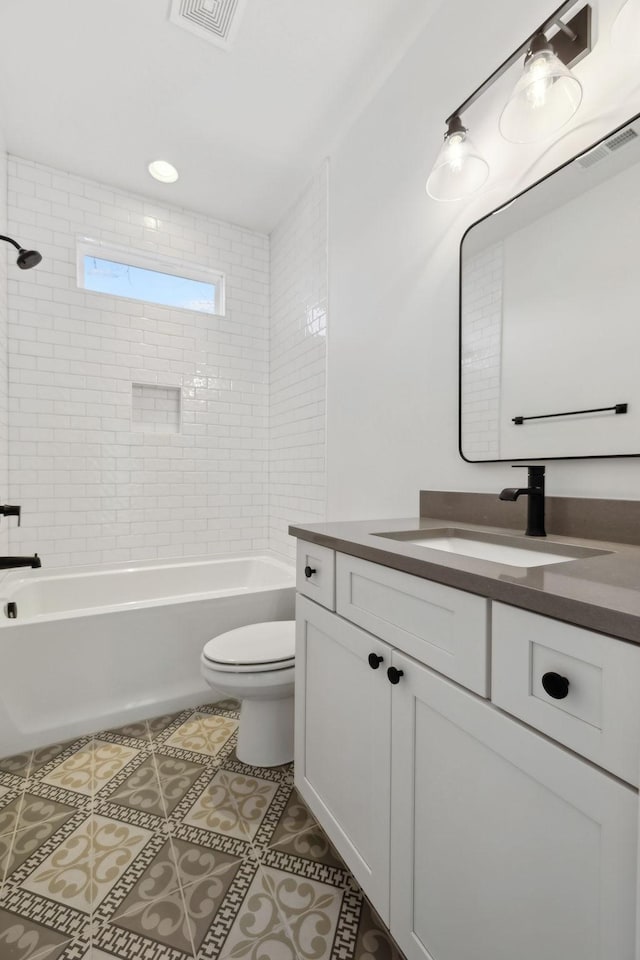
(605, 149)
(594, 156)
(213, 20)
(621, 138)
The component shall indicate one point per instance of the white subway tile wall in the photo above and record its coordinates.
(155, 409)
(482, 352)
(92, 488)
(297, 443)
(4, 401)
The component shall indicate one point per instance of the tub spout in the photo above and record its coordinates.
(7, 562)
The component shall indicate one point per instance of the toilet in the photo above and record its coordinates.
(255, 664)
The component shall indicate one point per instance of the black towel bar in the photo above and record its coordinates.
(618, 408)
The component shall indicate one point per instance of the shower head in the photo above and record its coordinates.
(26, 258)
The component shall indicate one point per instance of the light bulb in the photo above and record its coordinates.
(459, 170)
(544, 99)
(456, 152)
(541, 80)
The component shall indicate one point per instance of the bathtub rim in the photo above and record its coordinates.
(12, 580)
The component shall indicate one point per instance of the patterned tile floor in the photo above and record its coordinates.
(153, 842)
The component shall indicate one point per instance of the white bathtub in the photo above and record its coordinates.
(96, 647)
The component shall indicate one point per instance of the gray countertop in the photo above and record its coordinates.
(601, 593)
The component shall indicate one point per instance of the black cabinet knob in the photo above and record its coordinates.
(375, 661)
(309, 572)
(394, 674)
(555, 685)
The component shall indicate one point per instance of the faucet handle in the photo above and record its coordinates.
(11, 511)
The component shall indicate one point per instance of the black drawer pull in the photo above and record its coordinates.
(309, 572)
(375, 661)
(394, 674)
(11, 610)
(555, 685)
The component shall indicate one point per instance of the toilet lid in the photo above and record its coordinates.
(258, 646)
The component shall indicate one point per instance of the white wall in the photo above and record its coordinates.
(4, 398)
(393, 262)
(297, 476)
(92, 487)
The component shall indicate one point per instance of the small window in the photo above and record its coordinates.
(138, 276)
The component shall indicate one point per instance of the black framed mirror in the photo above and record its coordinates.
(549, 362)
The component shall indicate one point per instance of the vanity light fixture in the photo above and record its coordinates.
(545, 98)
(459, 169)
(163, 171)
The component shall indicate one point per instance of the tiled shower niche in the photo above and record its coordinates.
(155, 408)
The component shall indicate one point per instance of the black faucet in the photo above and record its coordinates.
(8, 510)
(535, 492)
(7, 562)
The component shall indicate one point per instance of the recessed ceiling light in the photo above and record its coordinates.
(163, 171)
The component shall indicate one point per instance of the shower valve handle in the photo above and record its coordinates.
(11, 511)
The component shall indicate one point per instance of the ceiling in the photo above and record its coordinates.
(102, 88)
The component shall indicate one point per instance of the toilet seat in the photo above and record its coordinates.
(256, 648)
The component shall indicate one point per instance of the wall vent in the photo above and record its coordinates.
(213, 20)
(603, 150)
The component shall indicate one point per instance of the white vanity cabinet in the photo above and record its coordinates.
(475, 836)
(503, 845)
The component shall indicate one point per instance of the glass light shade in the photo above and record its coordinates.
(625, 33)
(459, 169)
(545, 97)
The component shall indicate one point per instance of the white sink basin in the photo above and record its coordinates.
(513, 556)
(509, 551)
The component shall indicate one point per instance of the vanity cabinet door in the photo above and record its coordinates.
(503, 845)
(342, 746)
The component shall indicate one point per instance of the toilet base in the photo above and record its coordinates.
(265, 734)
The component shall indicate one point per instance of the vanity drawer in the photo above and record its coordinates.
(444, 628)
(316, 573)
(597, 716)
